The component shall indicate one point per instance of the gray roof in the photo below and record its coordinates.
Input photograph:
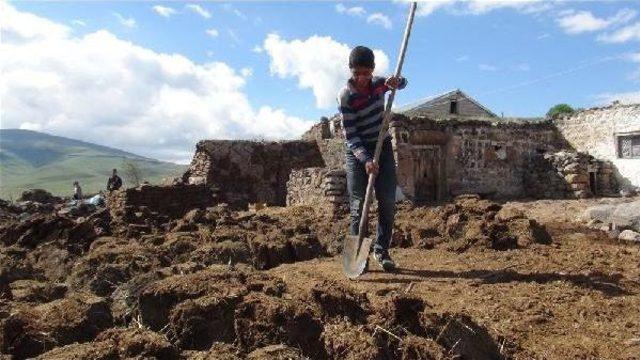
(432, 100)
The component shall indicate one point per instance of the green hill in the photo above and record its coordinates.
(29, 159)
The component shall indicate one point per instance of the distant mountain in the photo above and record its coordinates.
(30, 159)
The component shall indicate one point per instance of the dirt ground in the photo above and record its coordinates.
(476, 280)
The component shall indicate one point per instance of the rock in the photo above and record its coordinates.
(508, 214)
(627, 216)
(39, 195)
(577, 178)
(600, 213)
(629, 235)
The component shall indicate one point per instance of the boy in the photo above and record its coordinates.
(361, 105)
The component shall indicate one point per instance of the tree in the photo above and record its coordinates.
(558, 110)
(132, 172)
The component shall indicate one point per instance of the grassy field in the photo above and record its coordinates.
(30, 159)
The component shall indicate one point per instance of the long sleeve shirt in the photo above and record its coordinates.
(362, 115)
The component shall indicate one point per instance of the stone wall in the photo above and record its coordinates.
(596, 131)
(247, 172)
(437, 160)
(322, 187)
(330, 139)
(568, 174)
(157, 201)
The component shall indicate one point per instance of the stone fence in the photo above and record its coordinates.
(157, 201)
(321, 187)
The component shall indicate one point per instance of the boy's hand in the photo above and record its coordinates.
(371, 168)
(392, 82)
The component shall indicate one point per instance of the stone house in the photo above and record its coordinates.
(609, 133)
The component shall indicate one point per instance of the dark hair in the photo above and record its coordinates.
(361, 56)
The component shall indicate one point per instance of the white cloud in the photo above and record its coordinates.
(233, 36)
(24, 26)
(198, 10)
(584, 21)
(105, 90)
(212, 32)
(257, 49)
(627, 33)
(127, 22)
(246, 71)
(479, 7)
(164, 10)
(487, 67)
(352, 11)
(521, 67)
(543, 36)
(632, 97)
(79, 22)
(230, 8)
(379, 19)
(426, 8)
(318, 63)
(462, 58)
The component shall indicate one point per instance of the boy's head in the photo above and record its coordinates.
(361, 63)
(361, 56)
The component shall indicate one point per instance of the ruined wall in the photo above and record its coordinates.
(250, 172)
(330, 139)
(568, 174)
(171, 202)
(596, 132)
(320, 187)
(440, 159)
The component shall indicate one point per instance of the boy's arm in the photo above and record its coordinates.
(348, 118)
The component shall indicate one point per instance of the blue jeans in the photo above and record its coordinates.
(385, 190)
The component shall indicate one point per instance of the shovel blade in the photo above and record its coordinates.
(355, 255)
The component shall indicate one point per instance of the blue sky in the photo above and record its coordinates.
(155, 77)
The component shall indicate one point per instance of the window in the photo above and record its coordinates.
(629, 146)
(453, 106)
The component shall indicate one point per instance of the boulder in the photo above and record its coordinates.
(600, 213)
(629, 235)
(627, 216)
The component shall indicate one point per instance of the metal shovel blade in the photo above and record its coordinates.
(354, 262)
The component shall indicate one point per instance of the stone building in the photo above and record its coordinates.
(245, 172)
(439, 157)
(610, 133)
(437, 160)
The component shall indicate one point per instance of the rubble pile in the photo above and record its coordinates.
(468, 221)
(566, 174)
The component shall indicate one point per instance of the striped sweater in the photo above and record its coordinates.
(362, 115)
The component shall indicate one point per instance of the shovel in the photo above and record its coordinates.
(356, 248)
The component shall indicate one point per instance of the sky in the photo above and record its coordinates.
(155, 77)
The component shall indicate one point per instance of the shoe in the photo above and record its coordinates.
(384, 260)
